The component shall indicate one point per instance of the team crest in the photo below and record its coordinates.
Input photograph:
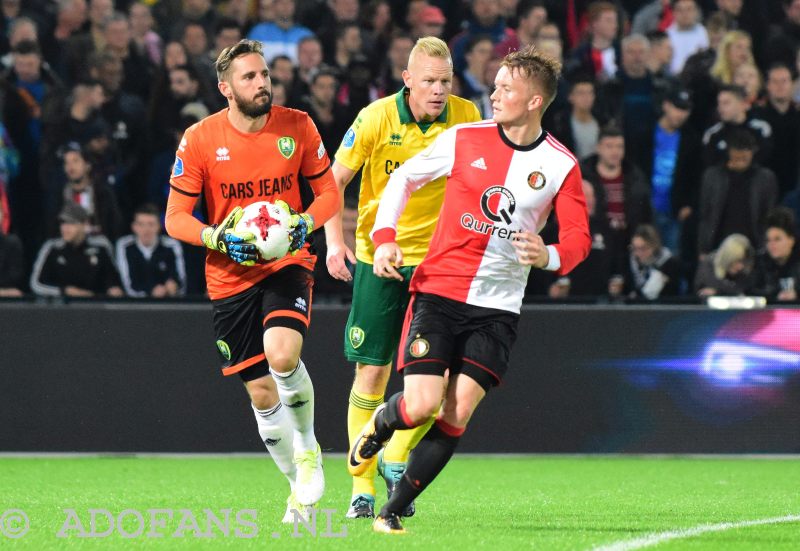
(356, 336)
(419, 347)
(286, 146)
(536, 180)
(223, 348)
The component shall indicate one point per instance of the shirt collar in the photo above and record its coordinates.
(405, 111)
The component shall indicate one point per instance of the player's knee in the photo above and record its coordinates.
(282, 361)
(371, 379)
(263, 398)
(419, 409)
(457, 414)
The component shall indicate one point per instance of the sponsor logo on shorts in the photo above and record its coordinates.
(349, 138)
(177, 170)
(356, 336)
(286, 146)
(300, 304)
(419, 347)
(536, 180)
(224, 349)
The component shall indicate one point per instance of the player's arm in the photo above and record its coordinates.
(334, 231)
(431, 163)
(185, 185)
(574, 240)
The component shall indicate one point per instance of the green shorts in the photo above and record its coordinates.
(376, 316)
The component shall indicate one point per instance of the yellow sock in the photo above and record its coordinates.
(403, 441)
(359, 411)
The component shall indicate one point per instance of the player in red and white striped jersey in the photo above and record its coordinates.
(504, 177)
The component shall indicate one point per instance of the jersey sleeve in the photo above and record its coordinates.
(432, 162)
(186, 184)
(357, 143)
(574, 240)
(316, 169)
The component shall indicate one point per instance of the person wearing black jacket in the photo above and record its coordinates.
(77, 264)
(777, 271)
(12, 264)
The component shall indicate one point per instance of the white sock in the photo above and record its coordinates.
(297, 395)
(275, 429)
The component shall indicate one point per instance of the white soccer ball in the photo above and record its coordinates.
(270, 225)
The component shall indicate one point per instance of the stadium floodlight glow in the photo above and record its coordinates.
(729, 362)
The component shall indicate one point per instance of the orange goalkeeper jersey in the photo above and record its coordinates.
(232, 168)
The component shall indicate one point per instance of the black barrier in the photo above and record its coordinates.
(144, 378)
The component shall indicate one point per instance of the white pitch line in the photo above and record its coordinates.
(654, 539)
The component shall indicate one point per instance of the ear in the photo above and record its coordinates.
(536, 102)
(407, 80)
(224, 89)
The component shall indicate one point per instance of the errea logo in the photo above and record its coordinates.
(395, 139)
(223, 154)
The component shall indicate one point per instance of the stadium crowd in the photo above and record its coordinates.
(683, 113)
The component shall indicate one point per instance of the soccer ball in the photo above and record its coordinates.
(270, 225)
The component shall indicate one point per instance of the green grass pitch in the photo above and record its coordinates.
(477, 503)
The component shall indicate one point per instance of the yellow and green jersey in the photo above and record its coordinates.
(384, 136)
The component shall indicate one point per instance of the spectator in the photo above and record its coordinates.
(734, 49)
(194, 38)
(12, 264)
(391, 77)
(281, 35)
(727, 271)
(309, 58)
(653, 16)
(531, 15)
(579, 128)
(147, 42)
(282, 68)
(77, 264)
(735, 196)
(749, 78)
(227, 33)
(80, 47)
(474, 82)
(783, 116)
(653, 272)
(631, 99)
(485, 19)
(777, 272)
(783, 43)
(150, 264)
(137, 70)
(70, 17)
(686, 33)
(340, 13)
(348, 45)
(92, 194)
(734, 115)
(599, 55)
(240, 11)
(660, 56)
(331, 119)
(674, 168)
(22, 29)
(357, 89)
(429, 22)
(377, 30)
(621, 189)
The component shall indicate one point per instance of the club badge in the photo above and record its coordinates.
(419, 347)
(536, 180)
(286, 145)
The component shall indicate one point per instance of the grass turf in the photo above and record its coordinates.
(477, 502)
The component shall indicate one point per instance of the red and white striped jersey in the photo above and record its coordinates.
(494, 189)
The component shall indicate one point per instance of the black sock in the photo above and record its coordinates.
(425, 462)
(391, 418)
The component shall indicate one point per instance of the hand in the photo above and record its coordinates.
(115, 292)
(388, 257)
(684, 213)
(706, 292)
(158, 291)
(300, 224)
(788, 295)
(531, 250)
(73, 291)
(239, 246)
(171, 287)
(337, 252)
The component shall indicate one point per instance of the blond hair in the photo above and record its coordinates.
(241, 48)
(537, 66)
(431, 47)
(734, 248)
(722, 70)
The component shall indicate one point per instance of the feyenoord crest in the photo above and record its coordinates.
(536, 180)
(356, 336)
(286, 146)
(224, 349)
(419, 347)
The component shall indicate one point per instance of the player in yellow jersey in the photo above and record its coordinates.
(384, 135)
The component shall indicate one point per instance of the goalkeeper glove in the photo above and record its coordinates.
(238, 246)
(300, 225)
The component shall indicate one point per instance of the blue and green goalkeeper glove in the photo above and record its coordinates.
(238, 246)
(300, 224)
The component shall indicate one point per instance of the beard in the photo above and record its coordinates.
(251, 108)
